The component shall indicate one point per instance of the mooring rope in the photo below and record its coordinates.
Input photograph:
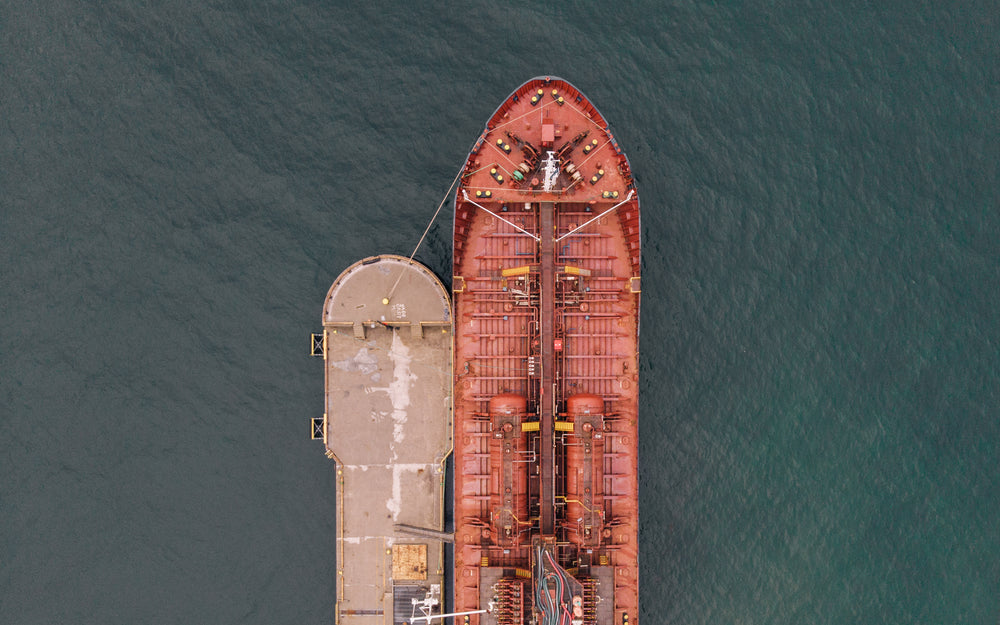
(428, 229)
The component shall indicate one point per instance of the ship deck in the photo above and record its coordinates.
(546, 289)
(388, 426)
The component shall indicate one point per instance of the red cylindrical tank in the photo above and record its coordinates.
(508, 403)
(509, 471)
(584, 462)
(584, 403)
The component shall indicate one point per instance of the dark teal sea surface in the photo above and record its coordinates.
(181, 182)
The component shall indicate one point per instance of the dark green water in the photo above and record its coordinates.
(181, 181)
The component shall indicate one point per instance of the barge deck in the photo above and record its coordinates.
(388, 426)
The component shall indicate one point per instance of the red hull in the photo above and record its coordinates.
(546, 296)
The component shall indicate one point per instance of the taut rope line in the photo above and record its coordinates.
(386, 299)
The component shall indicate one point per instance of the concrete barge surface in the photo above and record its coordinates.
(387, 345)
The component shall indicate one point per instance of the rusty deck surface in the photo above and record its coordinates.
(388, 426)
(546, 295)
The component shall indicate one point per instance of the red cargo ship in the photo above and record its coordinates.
(546, 295)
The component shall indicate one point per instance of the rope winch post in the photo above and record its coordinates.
(385, 300)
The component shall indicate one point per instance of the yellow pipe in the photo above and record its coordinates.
(516, 271)
(576, 271)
